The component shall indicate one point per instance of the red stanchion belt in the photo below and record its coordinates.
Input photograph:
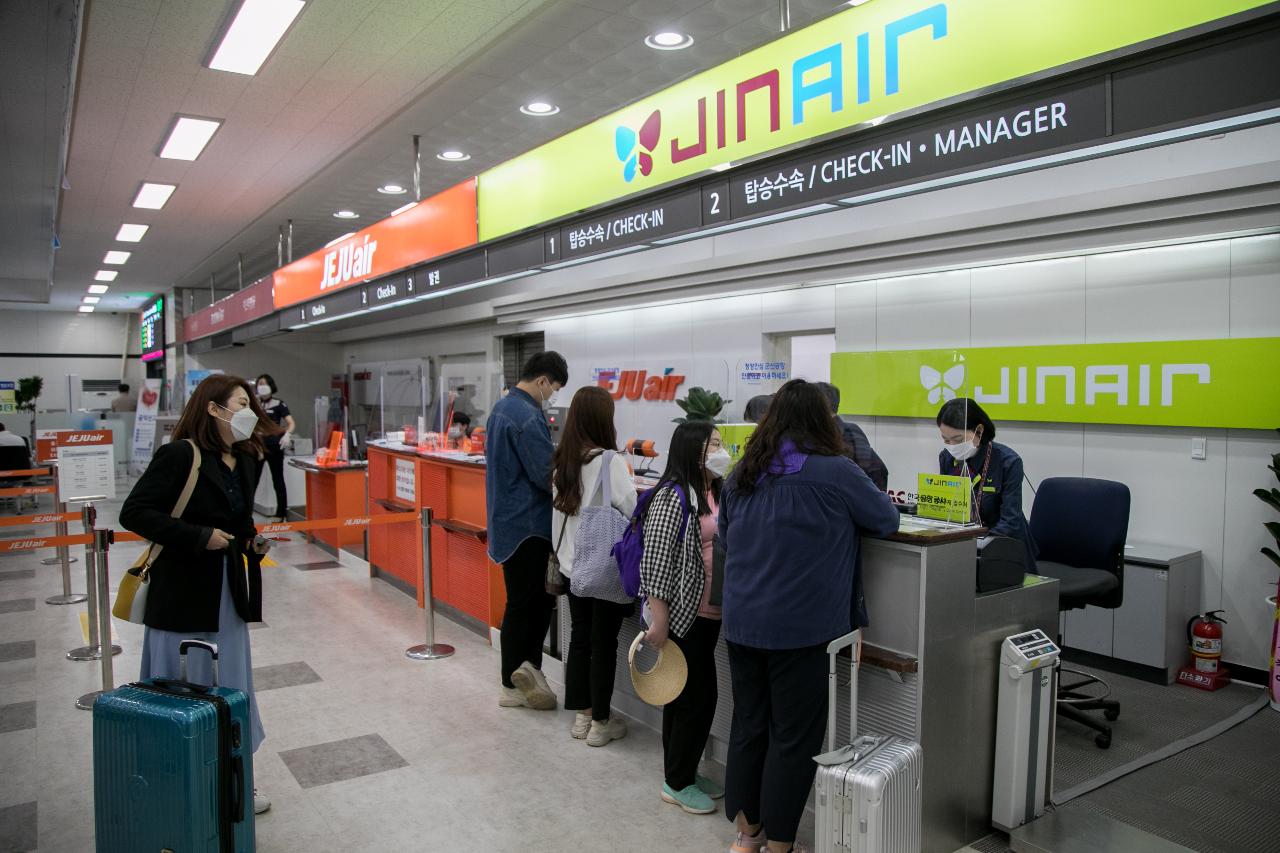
(25, 472)
(33, 542)
(23, 491)
(332, 523)
(39, 518)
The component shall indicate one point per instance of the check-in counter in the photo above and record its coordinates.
(335, 491)
(465, 583)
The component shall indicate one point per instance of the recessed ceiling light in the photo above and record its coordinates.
(131, 233)
(188, 138)
(453, 156)
(86, 309)
(402, 208)
(92, 300)
(346, 214)
(337, 240)
(153, 196)
(539, 108)
(253, 34)
(114, 257)
(98, 288)
(668, 41)
(105, 275)
(391, 189)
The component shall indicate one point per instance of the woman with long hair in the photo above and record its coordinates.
(206, 583)
(970, 449)
(791, 519)
(676, 574)
(576, 469)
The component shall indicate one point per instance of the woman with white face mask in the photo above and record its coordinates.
(275, 445)
(969, 449)
(206, 580)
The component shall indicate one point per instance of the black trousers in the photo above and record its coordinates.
(779, 721)
(593, 654)
(275, 461)
(528, 613)
(686, 722)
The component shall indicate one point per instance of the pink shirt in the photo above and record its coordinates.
(708, 530)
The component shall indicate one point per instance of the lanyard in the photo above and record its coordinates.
(975, 489)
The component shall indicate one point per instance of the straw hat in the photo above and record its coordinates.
(662, 684)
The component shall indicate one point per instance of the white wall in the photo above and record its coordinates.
(93, 344)
(301, 364)
(1216, 289)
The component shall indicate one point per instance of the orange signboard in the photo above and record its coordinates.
(435, 226)
(49, 440)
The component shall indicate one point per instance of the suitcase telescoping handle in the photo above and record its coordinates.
(211, 648)
(853, 638)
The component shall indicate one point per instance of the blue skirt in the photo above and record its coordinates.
(235, 662)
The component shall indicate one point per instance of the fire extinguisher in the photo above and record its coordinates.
(1204, 635)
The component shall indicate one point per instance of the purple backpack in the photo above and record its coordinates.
(630, 548)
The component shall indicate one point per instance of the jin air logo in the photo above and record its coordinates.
(941, 385)
(628, 145)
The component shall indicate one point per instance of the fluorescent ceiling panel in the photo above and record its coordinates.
(153, 196)
(106, 275)
(98, 288)
(188, 138)
(131, 233)
(254, 32)
(116, 257)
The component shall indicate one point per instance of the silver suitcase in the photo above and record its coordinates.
(867, 793)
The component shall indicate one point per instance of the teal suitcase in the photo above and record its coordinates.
(173, 767)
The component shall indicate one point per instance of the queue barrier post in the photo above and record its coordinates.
(430, 650)
(93, 651)
(63, 554)
(101, 546)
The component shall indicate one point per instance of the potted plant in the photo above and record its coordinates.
(1271, 497)
(25, 398)
(701, 405)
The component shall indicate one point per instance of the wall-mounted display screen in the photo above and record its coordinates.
(153, 331)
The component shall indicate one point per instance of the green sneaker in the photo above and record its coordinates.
(710, 787)
(691, 799)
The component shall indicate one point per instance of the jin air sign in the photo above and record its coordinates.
(1212, 383)
(867, 62)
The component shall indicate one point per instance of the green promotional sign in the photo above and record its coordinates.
(943, 497)
(864, 63)
(1210, 383)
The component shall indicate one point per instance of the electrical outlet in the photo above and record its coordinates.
(1199, 448)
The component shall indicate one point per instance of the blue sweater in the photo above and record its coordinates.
(517, 478)
(792, 551)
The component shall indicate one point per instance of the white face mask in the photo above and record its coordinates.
(264, 391)
(242, 423)
(962, 451)
(546, 403)
(718, 462)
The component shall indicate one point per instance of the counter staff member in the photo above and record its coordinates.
(970, 450)
(863, 453)
(517, 486)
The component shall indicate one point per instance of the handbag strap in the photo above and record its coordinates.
(183, 499)
(602, 482)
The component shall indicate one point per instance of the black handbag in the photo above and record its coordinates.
(717, 572)
(554, 582)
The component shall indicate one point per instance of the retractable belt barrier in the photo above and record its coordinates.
(25, 472)
(38, 518)
(24, 491)
(32, 542)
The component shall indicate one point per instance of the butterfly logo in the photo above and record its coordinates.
(941, 386)
(627, 143)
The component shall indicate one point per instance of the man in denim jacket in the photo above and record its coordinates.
(517, 486)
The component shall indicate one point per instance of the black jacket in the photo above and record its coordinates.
(863, 453)
(186, 579)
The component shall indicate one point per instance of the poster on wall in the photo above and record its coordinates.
(406, 481)
(194, 378)
(8, 398)
(758, 372)
(1208, 383)
(144, 425)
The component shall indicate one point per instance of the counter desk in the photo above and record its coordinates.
(465, 583)
(335, 491)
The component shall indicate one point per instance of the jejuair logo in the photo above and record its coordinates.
(941, 385)
(627, 143)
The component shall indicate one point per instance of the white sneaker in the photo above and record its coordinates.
(533, 684)
(581, 725)
(260, 802)
(613, 728)
(512, 698)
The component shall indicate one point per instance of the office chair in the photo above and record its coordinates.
(15, 459)
(1080, 525)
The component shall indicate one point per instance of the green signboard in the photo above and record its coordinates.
(1207, 383)
(943, 497)
(864, 63)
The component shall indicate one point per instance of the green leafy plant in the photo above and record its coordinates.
(25, 397)
(1272, 497)
(701, 405)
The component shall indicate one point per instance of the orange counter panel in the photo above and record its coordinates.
(337, 494)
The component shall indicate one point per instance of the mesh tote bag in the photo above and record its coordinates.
(595, 571)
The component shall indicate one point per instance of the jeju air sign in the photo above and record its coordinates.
(639, 384)
(864, 63)
(434, 226)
